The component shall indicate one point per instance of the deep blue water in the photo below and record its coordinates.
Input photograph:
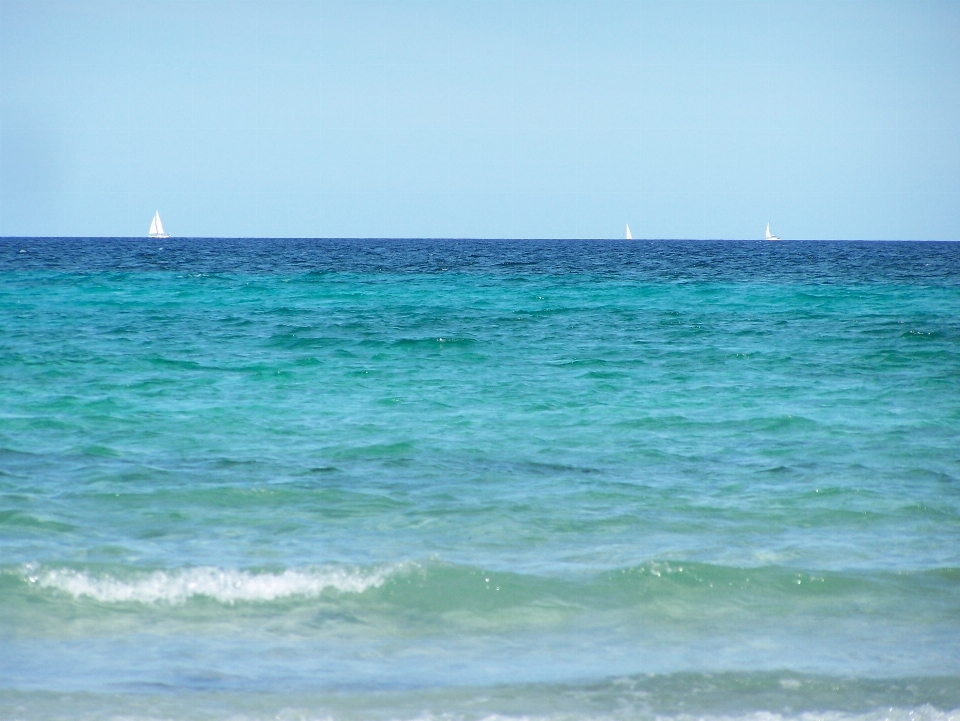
(307, 478)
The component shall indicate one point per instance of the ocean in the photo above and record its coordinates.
(476, 479)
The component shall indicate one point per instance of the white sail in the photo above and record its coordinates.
(156, 227)
(628, 235)
(768, 236)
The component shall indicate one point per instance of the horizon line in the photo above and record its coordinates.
(477, 238)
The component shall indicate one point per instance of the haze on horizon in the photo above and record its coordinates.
(481, 119)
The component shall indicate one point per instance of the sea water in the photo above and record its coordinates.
(412, 479)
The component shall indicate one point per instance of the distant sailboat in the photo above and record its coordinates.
(156, 227)
(768, 236)
(628, 235)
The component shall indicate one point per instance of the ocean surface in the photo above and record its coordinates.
(439, 479)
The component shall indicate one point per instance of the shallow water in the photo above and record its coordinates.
(461, 479)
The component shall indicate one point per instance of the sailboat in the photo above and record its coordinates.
(627, 234)
(768, 236)
(156, 227)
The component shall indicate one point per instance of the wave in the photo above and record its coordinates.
(751, 696)
(923, 713)
(660, 588)
(221, 584)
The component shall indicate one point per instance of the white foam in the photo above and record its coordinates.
(921, 713)
(223, 584)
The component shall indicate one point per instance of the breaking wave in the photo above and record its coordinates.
(224, 585)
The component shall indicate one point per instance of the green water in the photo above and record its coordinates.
(439, 479)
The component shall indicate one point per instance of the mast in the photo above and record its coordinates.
(156, 227)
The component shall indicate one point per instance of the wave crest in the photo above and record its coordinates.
(222, 584)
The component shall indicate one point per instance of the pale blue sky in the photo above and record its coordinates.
(481, 119)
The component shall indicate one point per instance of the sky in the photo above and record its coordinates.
(685, 119)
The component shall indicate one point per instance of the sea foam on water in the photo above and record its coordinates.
(221, 584)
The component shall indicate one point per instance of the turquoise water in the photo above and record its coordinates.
(472, 479)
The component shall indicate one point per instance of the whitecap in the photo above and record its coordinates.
(222, 584)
